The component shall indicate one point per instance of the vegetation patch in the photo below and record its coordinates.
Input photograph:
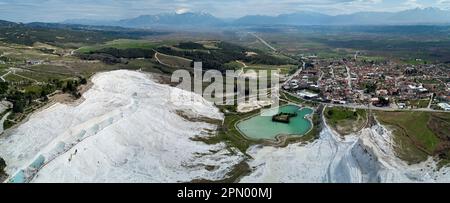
(345, 120)
(29, 34)
(225, 53)
(239, 171)
(419, 103)
(174, 61)
(3, 174)
(419, 134)
(228, 133)
(121, 44)
(190, 45)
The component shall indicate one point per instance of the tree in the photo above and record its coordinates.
(3, 87)
(2, 165)
(83, 81)
(371, 87)
(330, 112)
(190, 45)
(71, 86)
(18, 106)
(383, 101)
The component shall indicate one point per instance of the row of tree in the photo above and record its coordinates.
(114, 55)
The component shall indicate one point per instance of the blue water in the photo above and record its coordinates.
(38, 162)
(18, 178)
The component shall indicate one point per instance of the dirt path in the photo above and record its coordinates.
(240, 62)
(3, 76)
(431, 101)
(165, 64)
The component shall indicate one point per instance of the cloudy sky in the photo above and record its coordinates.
(60, 10)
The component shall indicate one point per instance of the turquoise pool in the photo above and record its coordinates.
(262, 127)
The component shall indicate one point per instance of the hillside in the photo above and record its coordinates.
(60, 35)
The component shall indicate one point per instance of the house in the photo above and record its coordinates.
(375, 101)
(382, 92)
(286, 87)
(34, 62)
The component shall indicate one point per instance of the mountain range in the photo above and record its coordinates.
(418, 16)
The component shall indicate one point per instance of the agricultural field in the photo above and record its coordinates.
(410, 45)
(282, 69)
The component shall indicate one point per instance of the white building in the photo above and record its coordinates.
(444, 106)
(401, 105)
(307, 94)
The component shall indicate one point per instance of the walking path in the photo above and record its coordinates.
(3, 76)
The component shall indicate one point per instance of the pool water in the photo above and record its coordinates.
(262, 126)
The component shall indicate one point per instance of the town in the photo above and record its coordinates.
(379, 84)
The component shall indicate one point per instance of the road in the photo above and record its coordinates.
(431, 101)
(320, 78)
(242, 63)
(264, 42)
(349, 77)
(159, 61)
(162, 63)
(295, 74)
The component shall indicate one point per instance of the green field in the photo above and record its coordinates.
(418, 134)
(283, 69)
(371, 58)
(344, 120)
(123, 44)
